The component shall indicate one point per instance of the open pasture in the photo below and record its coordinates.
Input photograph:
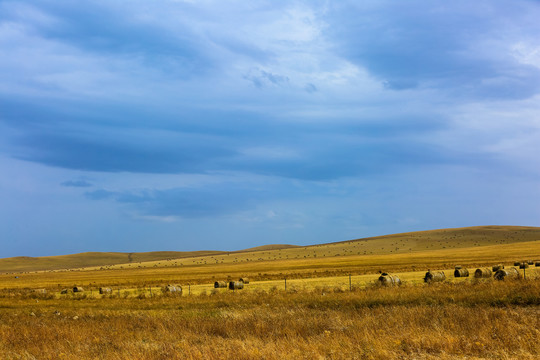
(268, 270)
(406, 245)
(320, 314)
(476, 320)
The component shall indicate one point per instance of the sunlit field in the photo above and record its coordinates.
(304, 306)
(485, 319)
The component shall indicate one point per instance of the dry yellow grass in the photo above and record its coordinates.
(276, 269)
(317, 317)
(397, 244)
(484, 320)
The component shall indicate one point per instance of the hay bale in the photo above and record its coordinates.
(503, 274)
(64, 291)
(483, 273)
(497, 268)
(104, 290)
(537, 263)
(461, 273)
(77, 289)
(245, 280)
(434, 276)
(173, 289)
(524, 265)
(517, 263)
(236, 285)
(220, 284)
(40, 291)
(457, 267)
(530, 262)
(389, 280)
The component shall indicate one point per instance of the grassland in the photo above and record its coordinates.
(267, 270)
(400, 244)
(319, 315)
(474, 320)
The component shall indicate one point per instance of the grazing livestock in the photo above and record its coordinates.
(389, 280)
(236, 285)
(483, 273)
(220, 284)
(503, 274)
(461, 273)
(434, 276)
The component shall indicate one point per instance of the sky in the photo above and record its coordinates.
(186, 125)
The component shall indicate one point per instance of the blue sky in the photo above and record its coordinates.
(188, 125)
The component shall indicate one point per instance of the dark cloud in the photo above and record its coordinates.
(206, 141)
(108, 155)
(404, 46)
(185, 202)
(353, 159)
(261, 78)
(76, 183)
(97, 28)
(411, 44)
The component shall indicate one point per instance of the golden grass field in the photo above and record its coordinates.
(332, 307)
(406, 243)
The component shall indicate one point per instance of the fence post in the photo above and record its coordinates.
(350, 283)
(285, 284)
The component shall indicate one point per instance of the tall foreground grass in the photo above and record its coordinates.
(493, 320)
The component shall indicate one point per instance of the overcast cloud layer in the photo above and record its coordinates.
(180, 125)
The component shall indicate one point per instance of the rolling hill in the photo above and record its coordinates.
(395, 244)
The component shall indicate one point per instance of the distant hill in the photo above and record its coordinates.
(456, 237)
(90, 259)
(403, 243)
(270, 247)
